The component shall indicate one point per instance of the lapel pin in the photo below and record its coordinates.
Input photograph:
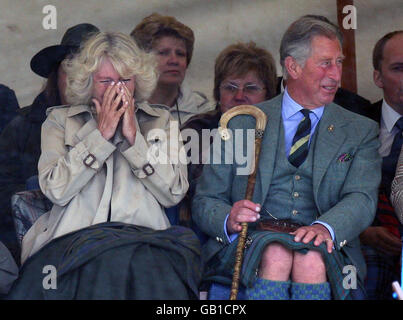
(330, 128)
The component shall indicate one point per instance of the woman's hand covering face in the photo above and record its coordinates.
(128, 124)
(110, 94)
(108, 112)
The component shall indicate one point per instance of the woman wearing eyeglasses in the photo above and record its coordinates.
(244, 74)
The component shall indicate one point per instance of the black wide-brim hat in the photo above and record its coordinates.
(47, 59)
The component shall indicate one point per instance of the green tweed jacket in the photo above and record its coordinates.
(346, 175)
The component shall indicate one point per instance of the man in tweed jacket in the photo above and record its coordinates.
(332, 192)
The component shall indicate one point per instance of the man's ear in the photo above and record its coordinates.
(292, 67)
(378, 79)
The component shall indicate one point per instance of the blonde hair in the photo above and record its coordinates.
(124, 54)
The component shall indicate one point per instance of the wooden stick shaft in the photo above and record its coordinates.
(242, 236)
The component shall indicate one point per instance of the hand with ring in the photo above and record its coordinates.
(315, 231)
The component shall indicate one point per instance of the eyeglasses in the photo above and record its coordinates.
(250, 89)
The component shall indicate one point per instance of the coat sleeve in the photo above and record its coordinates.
(64, 170)
(356, 207)
(159, 161)
(8, 270)
(396, 195)
(11, 166)
(212, 201)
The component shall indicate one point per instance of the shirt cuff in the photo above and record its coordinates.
(329, 228)
(231, 237)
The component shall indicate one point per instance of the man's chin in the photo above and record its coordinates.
(328, 98)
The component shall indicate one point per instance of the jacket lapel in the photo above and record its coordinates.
(330, 138)
(269, 145)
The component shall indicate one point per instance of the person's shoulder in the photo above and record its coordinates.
(154, 115)
(58, 110)
(8, 98)
(269, 104)
(58, 114)
(195, 99)
(357, 120)
(206, 120)
(357, 104)
(152, 110)
(269, 107)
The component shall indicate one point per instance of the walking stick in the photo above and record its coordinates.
(261, 120)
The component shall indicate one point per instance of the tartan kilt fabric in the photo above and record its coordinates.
(115, 260)
(220, 267)
(381, 273)
(382, 270)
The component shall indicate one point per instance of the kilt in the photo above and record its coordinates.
(220, 267)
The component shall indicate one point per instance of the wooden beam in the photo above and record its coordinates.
(349, 77)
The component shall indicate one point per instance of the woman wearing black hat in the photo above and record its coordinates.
(20, 141)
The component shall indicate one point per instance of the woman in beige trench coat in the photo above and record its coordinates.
(109, 163)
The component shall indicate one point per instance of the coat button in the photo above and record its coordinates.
(294, 212)
(297, 177)
(295, 194)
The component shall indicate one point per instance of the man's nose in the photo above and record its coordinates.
(335, 72)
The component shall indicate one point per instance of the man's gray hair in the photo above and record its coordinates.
(296, 41)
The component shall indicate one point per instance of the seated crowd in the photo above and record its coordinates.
(118, 176)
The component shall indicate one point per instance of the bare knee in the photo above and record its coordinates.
(308, 268)
(276, 262)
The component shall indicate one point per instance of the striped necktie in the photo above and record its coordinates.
(300, 143)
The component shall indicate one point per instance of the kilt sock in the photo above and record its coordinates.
(269, 290)
(310, 291)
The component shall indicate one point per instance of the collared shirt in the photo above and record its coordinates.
(387, 129)
(292, 116)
